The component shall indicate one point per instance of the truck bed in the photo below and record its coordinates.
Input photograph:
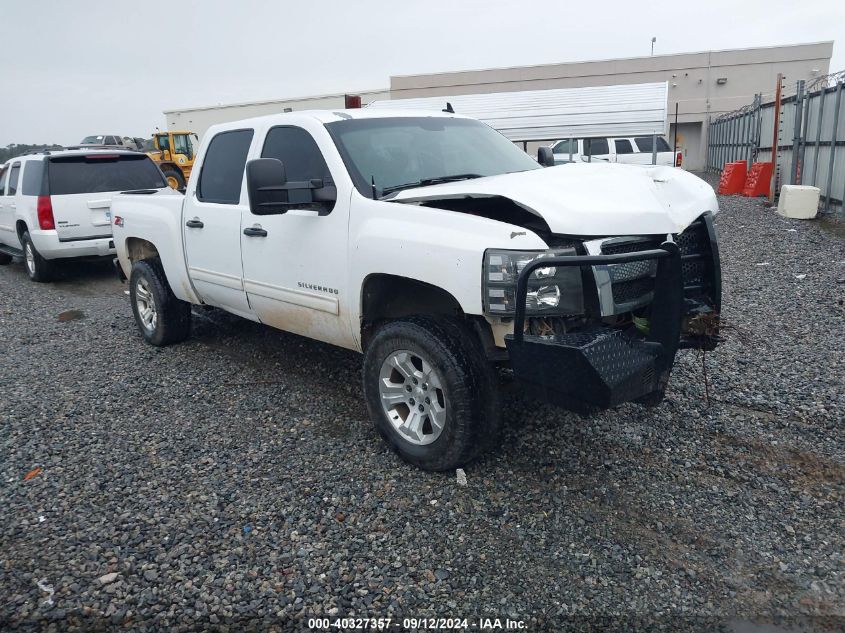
(154, 220)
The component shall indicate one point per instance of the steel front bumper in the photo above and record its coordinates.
(601, 367)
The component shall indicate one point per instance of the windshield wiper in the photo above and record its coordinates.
(425, 182)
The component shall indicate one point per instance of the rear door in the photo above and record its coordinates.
(215, 202)
(81, 188)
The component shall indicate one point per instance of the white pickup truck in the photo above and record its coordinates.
(442, 252)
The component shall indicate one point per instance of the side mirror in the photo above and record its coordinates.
(265, 183)
(270, 192)
(545, 156)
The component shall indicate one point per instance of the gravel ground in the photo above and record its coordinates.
(234, 481)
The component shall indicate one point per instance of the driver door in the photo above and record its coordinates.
(293, 275)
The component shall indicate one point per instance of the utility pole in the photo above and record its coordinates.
(775, 140)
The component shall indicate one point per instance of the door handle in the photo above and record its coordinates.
(194, 224)
(255, 231)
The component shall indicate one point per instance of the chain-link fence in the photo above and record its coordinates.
(810, 147)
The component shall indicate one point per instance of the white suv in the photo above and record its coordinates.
(56, 204)
(633, 150)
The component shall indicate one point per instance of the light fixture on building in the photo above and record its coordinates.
(722, 81)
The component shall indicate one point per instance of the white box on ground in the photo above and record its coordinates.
(798, 201)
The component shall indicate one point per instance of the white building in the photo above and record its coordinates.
(199, 119)
(702, 84)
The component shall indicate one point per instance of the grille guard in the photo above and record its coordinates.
(601, 367)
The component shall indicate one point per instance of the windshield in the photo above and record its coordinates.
(97, 140)
(406, 151)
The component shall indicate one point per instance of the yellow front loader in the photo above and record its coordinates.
(174, 152)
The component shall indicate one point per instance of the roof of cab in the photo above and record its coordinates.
(330, 116)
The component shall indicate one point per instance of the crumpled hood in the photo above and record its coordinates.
(589, 199)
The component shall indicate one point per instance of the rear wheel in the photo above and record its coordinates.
(174, 177)
(38, 268)
(162, 318)
(431, 392)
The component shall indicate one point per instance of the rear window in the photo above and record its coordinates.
(644, 144)
(92, 174)
(623, 146)
(33, 173)
(595, 146)
(14, 173)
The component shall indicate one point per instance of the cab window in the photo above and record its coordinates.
(223, 167)
(181, 145)
(4, 173)
(301, 157)
(566, 147)
(623, 146)
(595, 146)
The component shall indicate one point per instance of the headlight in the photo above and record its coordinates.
(551, 290)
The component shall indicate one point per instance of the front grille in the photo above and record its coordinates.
(632, 284)
(628, 245)
(633, 290)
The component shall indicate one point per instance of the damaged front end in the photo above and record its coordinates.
(640, 300)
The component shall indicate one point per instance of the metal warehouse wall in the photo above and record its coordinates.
(694, 81)
(200, 119)
(811, 137)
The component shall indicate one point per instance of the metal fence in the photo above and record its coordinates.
(810, 149)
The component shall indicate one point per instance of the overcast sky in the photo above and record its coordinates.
(76, 67)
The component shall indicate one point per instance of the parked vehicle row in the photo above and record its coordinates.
(56, 205)
(436, 248)
(114, 140)
(633, 150)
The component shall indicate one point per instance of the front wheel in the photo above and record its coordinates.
(162, 318)
(38, 268)
(431, 392)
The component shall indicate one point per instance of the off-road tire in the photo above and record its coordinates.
(176, 175)
(173, 316)
(473, 415)
(38, 268)
(5, 259)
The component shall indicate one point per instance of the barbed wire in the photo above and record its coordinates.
(787, 91)
(827, 81)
